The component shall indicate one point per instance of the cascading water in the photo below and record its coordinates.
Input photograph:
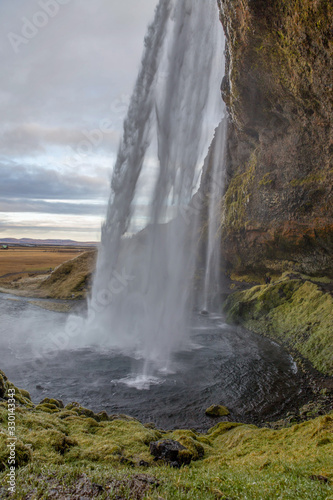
(211, 288)
(141, 296)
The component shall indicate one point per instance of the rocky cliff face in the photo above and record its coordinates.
(278, 210)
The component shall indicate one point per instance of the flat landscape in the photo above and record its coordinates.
(33, 271)
(23, 260)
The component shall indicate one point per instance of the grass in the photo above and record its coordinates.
(29, 260)
(231, 461)
(70, 278)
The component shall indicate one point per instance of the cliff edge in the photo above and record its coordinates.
(278, 89)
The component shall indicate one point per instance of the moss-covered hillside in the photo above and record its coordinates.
(73, 453)
(293, 310)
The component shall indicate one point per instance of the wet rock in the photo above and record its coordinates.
(217, 411)
(171, 452)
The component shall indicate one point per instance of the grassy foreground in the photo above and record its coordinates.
(73, 453)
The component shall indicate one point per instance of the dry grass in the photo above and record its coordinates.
(70, 280)
(26, 272)
(29, 260)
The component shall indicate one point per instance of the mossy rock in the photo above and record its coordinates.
(217, 411)
(81, 411)
(294, 311)
(48, 408)
(63, 414)
(123, 418)
(25, 394)
(102, 416)
(55, 402)
(193, 446)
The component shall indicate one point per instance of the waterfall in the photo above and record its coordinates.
(215, 184)
(141, 296)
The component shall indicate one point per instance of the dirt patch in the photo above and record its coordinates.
(134, 487)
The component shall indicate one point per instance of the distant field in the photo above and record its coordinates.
(30, 260)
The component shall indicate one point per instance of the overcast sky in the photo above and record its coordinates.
(68, 69)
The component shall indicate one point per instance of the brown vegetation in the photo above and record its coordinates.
(53, 272)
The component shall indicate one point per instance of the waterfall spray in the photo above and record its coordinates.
(141, 297)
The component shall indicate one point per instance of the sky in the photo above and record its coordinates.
(68, 69)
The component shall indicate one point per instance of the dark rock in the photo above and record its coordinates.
(322, 479)
(2, 387)
(278, 209)
(143, 463)
(171, 452)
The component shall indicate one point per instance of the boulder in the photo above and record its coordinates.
(171, 452)
(217, 411)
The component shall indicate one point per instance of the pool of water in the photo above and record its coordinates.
(254, 377)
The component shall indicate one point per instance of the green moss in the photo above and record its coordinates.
(23, 454)
(238, 195)
(266, 180)
(217, 411)
(314, 178)
(52, 401)
(239, 461)
(25, 394)
(192, 442)
(47, 407)
(293, 311)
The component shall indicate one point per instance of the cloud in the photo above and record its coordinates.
(76, 73)
(43, 183)
(32, 138)
(46, 207)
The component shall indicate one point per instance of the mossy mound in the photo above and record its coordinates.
(217, 411)
(21, 396)
(292, 310)
(23, 454)
(71, 279)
